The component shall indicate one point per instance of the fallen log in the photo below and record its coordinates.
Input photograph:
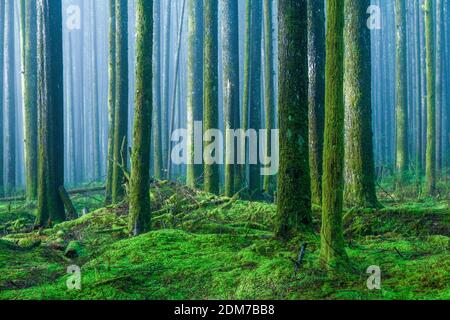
(70, 192)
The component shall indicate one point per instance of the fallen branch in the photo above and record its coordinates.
(300, 258)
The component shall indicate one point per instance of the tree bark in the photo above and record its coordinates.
(359, 160)
(140, 215)
(332, 250)
(316, 94)
(194, 88)
(431, 99)
(294, 188)
(121, 102)
(111, 99)
(51, 119)
(211, 86)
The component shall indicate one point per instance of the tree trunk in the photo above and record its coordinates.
(269, 94)
(71, 111)
(29, 51)
(316, 94)
(294, 188)
(166, 96)
(211, 86)
(51, 119)
(95, 101)
(140, 215)
(10, 100)
(254, 182)
(359, 159)
(401, 111)
(121, 102)
(439, 84)
(194, 89)
(111, 99)
(2, 133)
(157, 101)
(332, 251)
(243, 174)
(230, 83)
(431, 99)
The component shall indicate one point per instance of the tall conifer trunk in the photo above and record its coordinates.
(121, 102)
(359, 159)
(211, 86)
(140, 215)
(332, 249)
(316, 93)
(51, 119)
(431, 98)
(294, 189)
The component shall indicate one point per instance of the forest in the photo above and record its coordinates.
(224, 150)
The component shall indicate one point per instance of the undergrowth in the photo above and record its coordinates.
(209, 247)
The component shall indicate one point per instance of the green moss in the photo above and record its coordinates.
(226, 249)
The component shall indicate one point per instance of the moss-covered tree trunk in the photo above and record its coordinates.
(121, 102)
(164, 116)
(70, 103)
(211, 87)
(294, 188)
(419, 102)
(29, 51)
(111, 98)
(439, 86)
(10, 99)
(332, 248)
(2, 33)
(50, 207)
(269, 95)
(255, 106)
(194, 89)
(230, 83)
(157, 105)
(431, 98)
(316, 94)
(95, 94)
(243, 172)
(140, 215)
(401, 106)
(359, 159)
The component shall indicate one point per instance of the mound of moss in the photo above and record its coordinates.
(208, 247)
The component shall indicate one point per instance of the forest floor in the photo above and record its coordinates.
(207, 247)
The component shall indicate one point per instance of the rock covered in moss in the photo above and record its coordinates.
(74, 250)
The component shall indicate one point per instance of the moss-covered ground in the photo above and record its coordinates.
(207, 247)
